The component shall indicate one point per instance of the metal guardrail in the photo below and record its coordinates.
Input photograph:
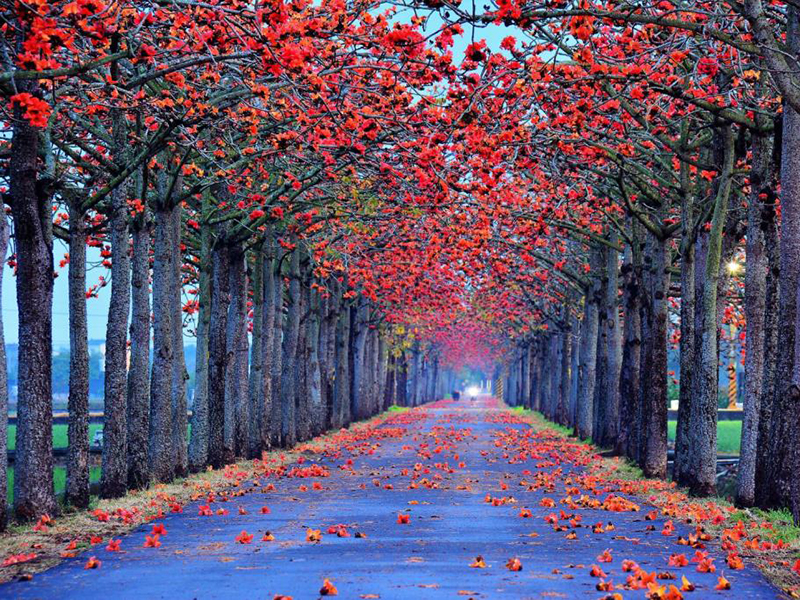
(724, 414)
(62, 417)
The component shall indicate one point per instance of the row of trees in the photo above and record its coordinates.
(342, 212)
(225, 161)
(666, 147)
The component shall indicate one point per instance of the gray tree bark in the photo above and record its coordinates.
(653, 374)
(290, 371)
(759, 215)
(314, 372)
(32, 214)
(139, 371)
(198, 442)
(267, 339)
(555, 373)
(180, 420)
(4, 380)
(702, 446)
(574, 362)
(341, 387)
(77, 489)
(218, 355)
(303, 410)
(256, 377)
(771, 316)
(358, 392)
(781, 462)
(160, 455)
(277, 359)
(562, 409)
(611, 421)
(587, 368)
(114, 476)
(630, 405)
(236, 429)
(401, 383)
(681, 463)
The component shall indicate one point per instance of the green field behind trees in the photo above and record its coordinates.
(729, 435)
(59, 435)
(60, 440)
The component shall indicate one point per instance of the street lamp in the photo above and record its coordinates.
(734, 268)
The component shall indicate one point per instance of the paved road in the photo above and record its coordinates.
(454, 455)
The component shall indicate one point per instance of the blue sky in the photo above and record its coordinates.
(97, 308)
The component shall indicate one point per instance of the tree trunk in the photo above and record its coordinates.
(114, 478)
(341, 389)
(401, 386)
(521, 375)
(702, 447)
(162, 463)
(566, 376)
(31, 210)
(4, 380)
(358, 392)
(389, 389)
(236, 429)
(303, 411)
(180, 420)
(198, 443)
(241, 358)
(322, 355)
(77, 489)
(527, 360)
(255, 390)
(653, 377)
(277, 360)
(556, 361)
(573, 368)
(434, 376)
(587, 367)
(316, 324)
(609, 419)
(601, 383)
(267, 340)
(760, 212)
(772, 245)
(781, 450)
(138, 373)
(290, 342)
(680, 468)
(629, 403)
(536, 376)
(327, 355)
(419, 393)
(218, 355)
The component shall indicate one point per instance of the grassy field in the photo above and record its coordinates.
(729, 435)
(59, 435)
(59, 473)
(59, 480)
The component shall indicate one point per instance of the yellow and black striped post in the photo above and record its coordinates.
(733, 392)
